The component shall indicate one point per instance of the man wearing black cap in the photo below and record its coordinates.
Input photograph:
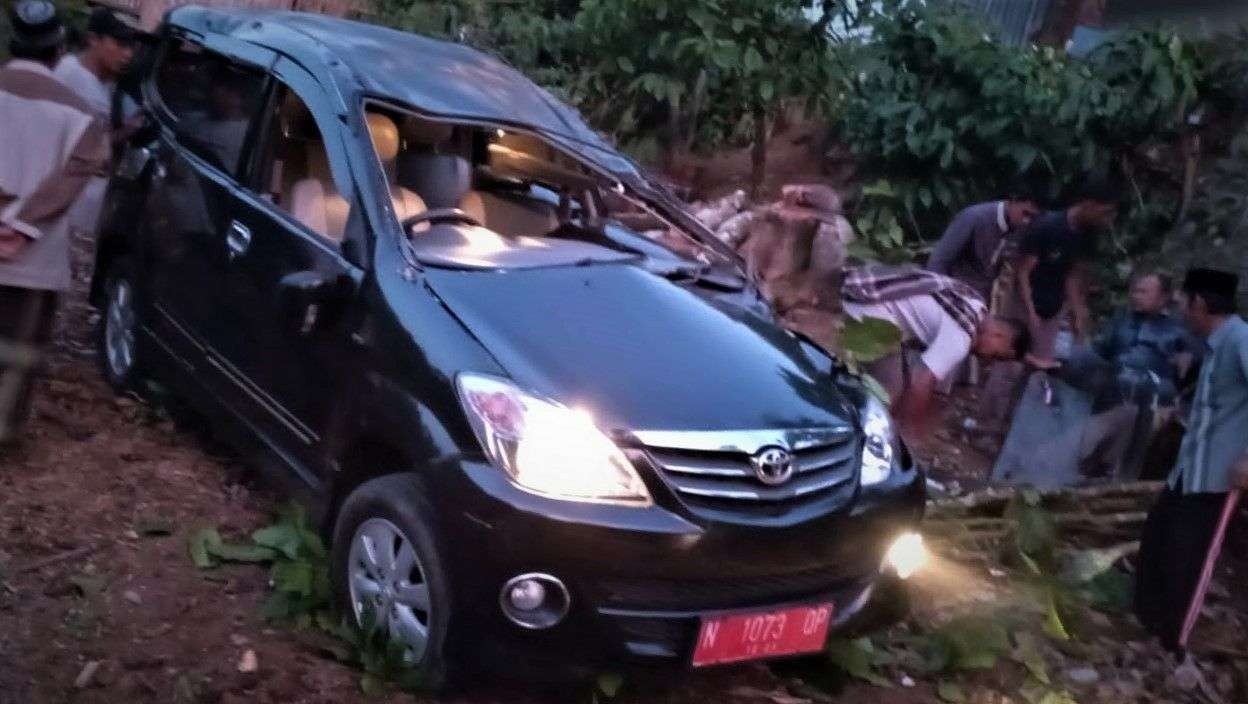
(1211, 461)
(93, 72)
(51, 146)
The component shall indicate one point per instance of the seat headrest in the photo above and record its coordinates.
(441, 179)
(385, 135)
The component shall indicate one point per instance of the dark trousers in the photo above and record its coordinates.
(1172, 554)
(26, 317)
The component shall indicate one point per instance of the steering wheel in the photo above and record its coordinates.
(439, 215)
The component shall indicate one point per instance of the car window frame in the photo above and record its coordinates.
(284, 75)
(170, 121)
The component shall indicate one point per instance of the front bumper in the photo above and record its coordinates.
(640, 580)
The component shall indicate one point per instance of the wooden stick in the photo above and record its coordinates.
(54, 559)
(1206, 573)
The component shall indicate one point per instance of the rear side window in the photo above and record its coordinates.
(296, 175)
(212, 101)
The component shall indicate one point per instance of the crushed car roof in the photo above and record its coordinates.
(438, 77)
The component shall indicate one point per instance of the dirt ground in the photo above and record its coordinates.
(95, 510)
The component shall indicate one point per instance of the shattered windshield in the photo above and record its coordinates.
(472, 196)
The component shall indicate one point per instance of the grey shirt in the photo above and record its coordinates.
(971, 248)
(1217, 427)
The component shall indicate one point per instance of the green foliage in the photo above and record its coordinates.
(945, 116)
(696, 70)
(1035, 534)
(1109, 591)
(302, 595)
(858, 658)
(950, 691)
(869, 339)
(970, 642)
(369, 648)
(1220, 209)
(608, 685)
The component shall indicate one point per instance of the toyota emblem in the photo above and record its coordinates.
(773, 465)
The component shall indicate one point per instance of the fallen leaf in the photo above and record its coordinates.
(153, 525)
(87, 674)
(950, 692)
(1085, 565)
(609, 683)
(249, 662)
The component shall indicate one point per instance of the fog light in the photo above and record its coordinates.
(534, 600)
(906, 555)
(527, 594)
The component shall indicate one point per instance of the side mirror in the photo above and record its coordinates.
(310, 299)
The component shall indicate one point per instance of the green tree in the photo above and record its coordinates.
(687, 70)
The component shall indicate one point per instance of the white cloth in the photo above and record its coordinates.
(85, 211)
(87, 85)
(921, 319)
(42, 134)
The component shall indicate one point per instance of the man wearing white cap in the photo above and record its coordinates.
(51, 146)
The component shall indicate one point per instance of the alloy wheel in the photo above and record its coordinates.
(387, 578)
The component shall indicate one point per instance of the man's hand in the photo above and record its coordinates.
(1034, 323)
(1239, 473)
(12, 243)
(1080, 326)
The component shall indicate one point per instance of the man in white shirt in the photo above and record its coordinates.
(942, 322)
(92, 75)
(93, 72)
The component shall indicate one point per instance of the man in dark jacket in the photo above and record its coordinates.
(1150, 347)
(976, 243)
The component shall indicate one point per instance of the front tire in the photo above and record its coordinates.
(385, 559)
(120, 352)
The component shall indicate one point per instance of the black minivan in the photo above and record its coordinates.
(401, 273)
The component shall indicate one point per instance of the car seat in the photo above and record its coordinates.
(315, 201)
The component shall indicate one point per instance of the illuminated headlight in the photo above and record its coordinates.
(878, 447)
(547, 448)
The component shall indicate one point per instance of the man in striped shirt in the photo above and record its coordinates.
(1212, 459)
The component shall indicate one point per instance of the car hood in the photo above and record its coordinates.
(641, 352)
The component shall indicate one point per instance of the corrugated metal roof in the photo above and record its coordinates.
(1014, 21)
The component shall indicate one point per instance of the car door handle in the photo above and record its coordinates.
(238, 240)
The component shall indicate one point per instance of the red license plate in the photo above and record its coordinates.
(762, 634)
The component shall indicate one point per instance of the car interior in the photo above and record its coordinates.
(300, 179)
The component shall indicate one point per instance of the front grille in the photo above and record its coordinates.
(720, 480)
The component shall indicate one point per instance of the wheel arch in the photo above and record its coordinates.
(390, 432)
